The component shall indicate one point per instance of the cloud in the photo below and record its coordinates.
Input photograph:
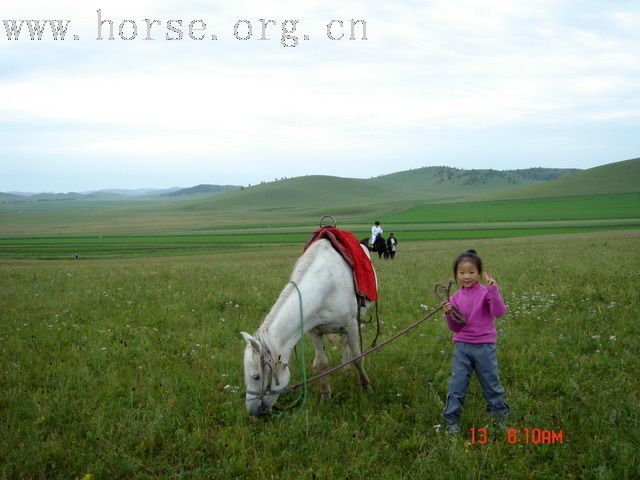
(427, 71)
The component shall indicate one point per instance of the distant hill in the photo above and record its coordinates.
(618, 177)
(351, 198)
(201, 190)
(117, 194)
(138, 192)
(299, 202)
(310, 194)
(9, 197)
(319, 192)
(45, 197)
(441, 183)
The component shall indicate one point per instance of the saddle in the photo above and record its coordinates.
(348, 246)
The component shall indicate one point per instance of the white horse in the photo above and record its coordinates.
(329, 305)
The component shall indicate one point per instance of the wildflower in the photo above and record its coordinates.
(596, 337)
(231, 389)
(437, 427)
(612, 338)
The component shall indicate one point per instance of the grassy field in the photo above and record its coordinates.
(132, 368)
(582, 207)
(48, 248)
(117, 229)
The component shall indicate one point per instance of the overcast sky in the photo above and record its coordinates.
(496, 84)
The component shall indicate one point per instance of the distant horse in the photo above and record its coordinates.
(379, 246)
(326, 289)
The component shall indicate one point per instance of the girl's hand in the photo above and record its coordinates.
(488, 279)
(446, 306)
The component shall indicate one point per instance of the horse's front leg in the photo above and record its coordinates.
(353, 341)
(320, 362)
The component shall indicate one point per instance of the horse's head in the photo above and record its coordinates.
(266, 376)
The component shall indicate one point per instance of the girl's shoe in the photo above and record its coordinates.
(453, 428)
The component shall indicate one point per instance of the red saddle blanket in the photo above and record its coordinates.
(347, 245)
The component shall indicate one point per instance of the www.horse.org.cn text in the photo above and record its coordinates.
(108, 28)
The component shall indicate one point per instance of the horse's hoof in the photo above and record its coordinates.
(367, 388)
(326, 396)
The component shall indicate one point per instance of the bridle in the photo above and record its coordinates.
(267, 362)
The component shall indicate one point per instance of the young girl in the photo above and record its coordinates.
(475, 340)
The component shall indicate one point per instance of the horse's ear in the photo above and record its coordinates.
(251, 341)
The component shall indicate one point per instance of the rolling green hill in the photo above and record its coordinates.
(414, 197)
(350, 194)
(619, 177)
(297, 199)
(445, 183)
(200, 190)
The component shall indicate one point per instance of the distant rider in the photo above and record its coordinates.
(375, 231)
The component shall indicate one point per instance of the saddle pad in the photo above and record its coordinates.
(347, 245)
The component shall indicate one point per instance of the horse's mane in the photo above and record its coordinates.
(302, 265)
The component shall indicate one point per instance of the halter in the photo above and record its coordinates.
(267, 361)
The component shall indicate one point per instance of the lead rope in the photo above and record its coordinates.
(432, 312)
(302, 396)
(305, 383)
(443, 292)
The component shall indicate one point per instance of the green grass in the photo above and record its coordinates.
(584, 207)
(162, 245)
(103, 229)
(132, 368)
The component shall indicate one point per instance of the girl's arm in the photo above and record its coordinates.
(497, 306)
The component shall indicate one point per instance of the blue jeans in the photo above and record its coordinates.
(481, 358)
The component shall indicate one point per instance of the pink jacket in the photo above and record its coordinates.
(480, 306)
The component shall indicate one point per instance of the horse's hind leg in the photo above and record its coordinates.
(353, 340)
(320, 362)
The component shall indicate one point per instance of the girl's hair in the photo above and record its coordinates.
(468, 256)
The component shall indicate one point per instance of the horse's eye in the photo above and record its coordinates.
(256, 376)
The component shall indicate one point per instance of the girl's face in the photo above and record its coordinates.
(467, 274)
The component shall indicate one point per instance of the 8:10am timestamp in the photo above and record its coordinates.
(521, 436)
